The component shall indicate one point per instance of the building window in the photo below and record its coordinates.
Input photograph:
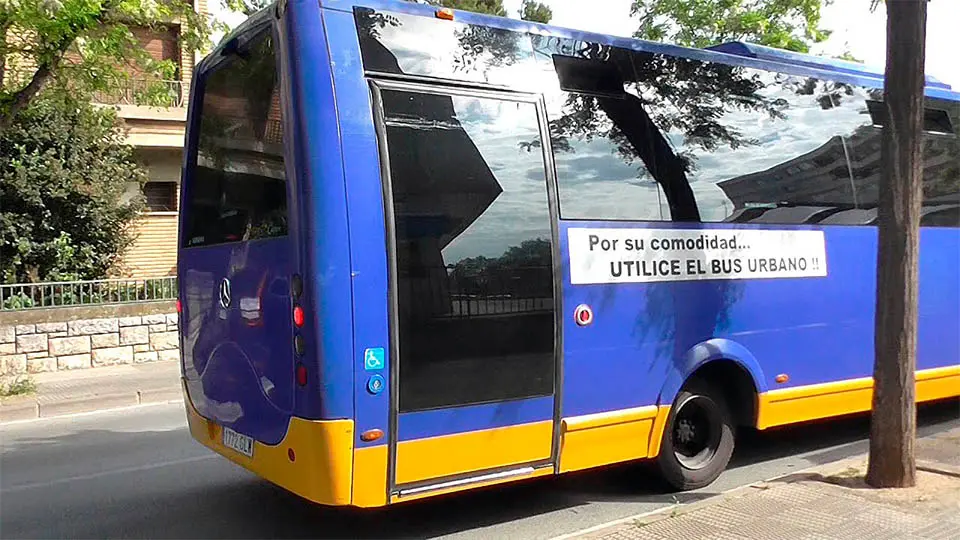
(161, 196)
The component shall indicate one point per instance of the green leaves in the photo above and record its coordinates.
(535, 11)
(86, 46)
(69, 188)
(785, 24)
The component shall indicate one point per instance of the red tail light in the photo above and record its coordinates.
(179, 306)
(301, 374)
(298, 316)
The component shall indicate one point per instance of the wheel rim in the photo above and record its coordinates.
(697, 429)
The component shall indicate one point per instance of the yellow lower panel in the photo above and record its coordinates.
(322, 469)
(604, 438)
(940, 383)
(656, 435)
(817, 401)
(546, 471)
(370, 476)
(436, 457)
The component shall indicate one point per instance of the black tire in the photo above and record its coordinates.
(699, 419)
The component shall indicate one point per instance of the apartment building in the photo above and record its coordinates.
(157, 134)
(156, 131)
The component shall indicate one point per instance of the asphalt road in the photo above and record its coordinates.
(137, 474)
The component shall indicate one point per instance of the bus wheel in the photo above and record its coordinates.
(698, 439)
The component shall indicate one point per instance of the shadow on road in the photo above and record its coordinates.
(200, 500)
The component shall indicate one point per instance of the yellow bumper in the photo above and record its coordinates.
(314, 459)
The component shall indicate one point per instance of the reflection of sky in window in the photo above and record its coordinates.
(520, 213)
(433, 48)
(807, 126)
(595, 182)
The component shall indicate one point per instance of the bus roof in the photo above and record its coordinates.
(761, 52)
(732, 53)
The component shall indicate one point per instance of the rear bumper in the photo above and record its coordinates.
(314, 460)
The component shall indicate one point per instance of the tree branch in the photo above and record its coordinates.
(17, 101)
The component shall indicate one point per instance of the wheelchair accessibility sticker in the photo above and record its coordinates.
(373, 359)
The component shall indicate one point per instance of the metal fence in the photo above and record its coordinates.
(23, 296)
(144, 92)
(446, 293)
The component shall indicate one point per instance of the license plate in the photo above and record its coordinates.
(239, 442)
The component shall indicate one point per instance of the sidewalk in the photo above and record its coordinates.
(69, 392)
(824, 503)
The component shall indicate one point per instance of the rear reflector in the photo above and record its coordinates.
(301, 374)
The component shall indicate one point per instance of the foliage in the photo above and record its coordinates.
(18, 385)
(247, 7)
(62, 180)
(85, 46)
(517, 272)
(535, 11)
(786, 24)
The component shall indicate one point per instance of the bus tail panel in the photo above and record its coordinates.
(295, 464)
(236, 258)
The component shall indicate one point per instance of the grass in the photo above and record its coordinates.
(20, 385)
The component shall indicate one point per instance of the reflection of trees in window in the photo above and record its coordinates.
(515, 279)
(633, 98)
(238, 187)
(941, 169)
(241, 103)
(478, 53)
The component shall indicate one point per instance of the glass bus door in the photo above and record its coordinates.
(473, 258)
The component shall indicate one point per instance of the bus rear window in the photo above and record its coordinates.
(237, 191)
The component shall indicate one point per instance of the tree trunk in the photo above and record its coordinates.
(893, 425)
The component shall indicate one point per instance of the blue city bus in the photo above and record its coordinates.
(424, 250)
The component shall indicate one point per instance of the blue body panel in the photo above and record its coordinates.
(324, 235)
(648, 338)
(422, 424)
(366, 221)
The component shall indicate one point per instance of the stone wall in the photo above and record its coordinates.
(88, 343)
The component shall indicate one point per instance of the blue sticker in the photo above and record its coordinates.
(375, 384)
(373, 359)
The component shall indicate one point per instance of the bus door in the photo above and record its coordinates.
(473, 254)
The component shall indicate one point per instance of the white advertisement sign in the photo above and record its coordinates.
(654, 255)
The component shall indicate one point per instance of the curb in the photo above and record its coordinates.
(938, 467)
(674, 510)
(37, 408)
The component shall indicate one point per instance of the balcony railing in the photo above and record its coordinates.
(22, 296)
(144, 92)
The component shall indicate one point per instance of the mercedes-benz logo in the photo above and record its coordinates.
(225, 293)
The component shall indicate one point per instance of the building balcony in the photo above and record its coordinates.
(154, 112)
(144, 93)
